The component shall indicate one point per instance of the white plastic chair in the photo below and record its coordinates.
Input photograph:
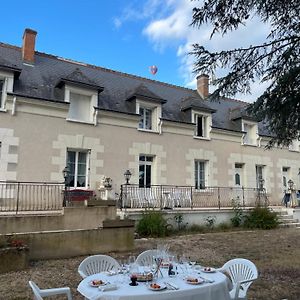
(242, 273)
(146, 258)
(96, 264)
(39, 294)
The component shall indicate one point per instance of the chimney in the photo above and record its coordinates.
(28, 45)
(203, 85)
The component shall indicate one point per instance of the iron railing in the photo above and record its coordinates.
(30, 196)
(169, 196)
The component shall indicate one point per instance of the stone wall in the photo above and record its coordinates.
(113, 236)
(71, 218)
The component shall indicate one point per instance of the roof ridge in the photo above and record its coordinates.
(10, 46)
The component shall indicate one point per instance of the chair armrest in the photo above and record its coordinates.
(82, 274)
(57, 291)
(246, 280)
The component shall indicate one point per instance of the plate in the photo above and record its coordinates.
(97, 283)
(162, 287)
(194, 282)
(208, 270)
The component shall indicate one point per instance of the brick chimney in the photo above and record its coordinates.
(28, 45)
(203, 85)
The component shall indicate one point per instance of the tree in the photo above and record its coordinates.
(277, 60)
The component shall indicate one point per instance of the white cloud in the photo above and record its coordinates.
(174, 27)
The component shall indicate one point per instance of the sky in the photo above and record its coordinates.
(124, 35)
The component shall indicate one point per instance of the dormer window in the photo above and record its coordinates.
(6, 85)
(250, 133)
(203, 124)
(150, 115)
(149, 106)
(146, 118)
(82, 103)
(295, 146)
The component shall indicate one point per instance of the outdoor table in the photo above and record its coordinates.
(216, 290)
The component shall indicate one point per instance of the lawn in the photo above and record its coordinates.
(276, 254)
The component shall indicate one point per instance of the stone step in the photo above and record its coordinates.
(286, 217)
(290, 225)
(288, 220)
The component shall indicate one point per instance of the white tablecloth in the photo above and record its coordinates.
(216, 290)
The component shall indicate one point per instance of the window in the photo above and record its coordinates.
(199, 174)
(1, 93)
(201, 125)
(238, 174)
(77, 162)
(80, 107)
(145, 170)
(285, 171)
(260, 177)
(146, 118)
(250, 129)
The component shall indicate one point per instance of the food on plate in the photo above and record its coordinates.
(155, 286)
(144, 277)
(97, 282)
(192, 280)
(165, 264)
(207, 269)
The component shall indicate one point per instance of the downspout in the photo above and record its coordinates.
(95, 116)
(13, 111)
(160, 126)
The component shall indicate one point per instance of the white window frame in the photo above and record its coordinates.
(156, 112)
(295, 146)
(262, 175)
(250, 137)
(8, 83)
(149, 160)
(286, 171)
(204, 180)
(143, 121)
(206, 124)
(93, 94)
(77, 151)
(239, 170)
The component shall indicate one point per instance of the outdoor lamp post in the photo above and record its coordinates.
(65, 173)
(127, 176)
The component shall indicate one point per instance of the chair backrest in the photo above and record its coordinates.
(241, 269)
(146, 258)
(36, 291)
(97, 263)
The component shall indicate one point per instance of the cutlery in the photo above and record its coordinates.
(171, 286)
(207, 280)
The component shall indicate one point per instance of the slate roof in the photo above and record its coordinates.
(44, 79)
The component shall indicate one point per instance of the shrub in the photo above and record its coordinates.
(224, 226)
(152, 224)
(210, 222)
(261, 218)
(238, 218)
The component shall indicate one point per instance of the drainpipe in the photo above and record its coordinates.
(160, 126)
(13, 111)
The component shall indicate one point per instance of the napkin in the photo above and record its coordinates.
(108, 287)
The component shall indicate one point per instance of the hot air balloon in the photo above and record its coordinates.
(153, 69)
